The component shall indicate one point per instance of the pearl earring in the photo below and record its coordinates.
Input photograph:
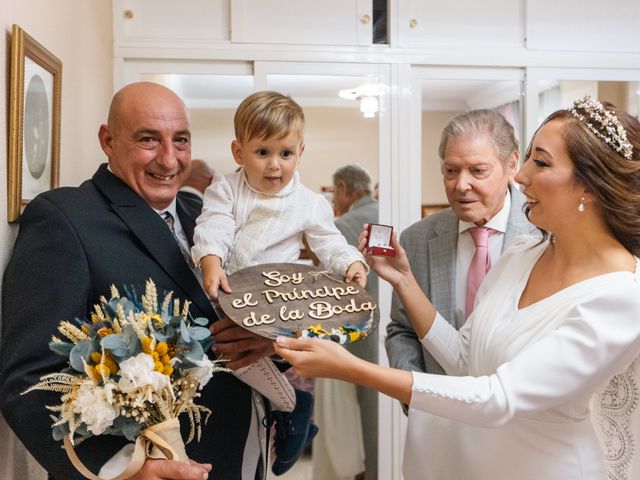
(581, 205)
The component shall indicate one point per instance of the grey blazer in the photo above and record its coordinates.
(431, 246)
(364, 210)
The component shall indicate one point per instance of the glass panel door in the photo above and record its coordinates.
(346, 114)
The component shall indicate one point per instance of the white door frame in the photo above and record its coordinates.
(386, 115)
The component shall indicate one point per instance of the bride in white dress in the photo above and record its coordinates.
(556, 326)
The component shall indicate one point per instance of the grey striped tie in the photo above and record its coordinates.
(170, 221)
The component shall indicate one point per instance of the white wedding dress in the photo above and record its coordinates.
(515, 404)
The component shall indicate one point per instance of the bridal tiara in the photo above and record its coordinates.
(603, 124)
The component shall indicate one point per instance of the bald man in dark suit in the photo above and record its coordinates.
(75, 242)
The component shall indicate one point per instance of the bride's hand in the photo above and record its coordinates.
(315, 357)
(394, 270)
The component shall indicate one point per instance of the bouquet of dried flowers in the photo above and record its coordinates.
(133, 368)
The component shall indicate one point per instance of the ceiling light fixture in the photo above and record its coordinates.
(367, 94)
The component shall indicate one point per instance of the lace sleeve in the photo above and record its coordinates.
(616, 419)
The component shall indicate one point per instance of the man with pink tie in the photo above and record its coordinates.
(451, 251)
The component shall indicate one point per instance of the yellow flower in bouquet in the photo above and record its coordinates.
(134, 367)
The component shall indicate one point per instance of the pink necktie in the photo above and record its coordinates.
(480, 265)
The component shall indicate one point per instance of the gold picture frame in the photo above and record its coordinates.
(34, 121)
(428, 209)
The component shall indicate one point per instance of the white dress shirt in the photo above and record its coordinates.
(230, 207)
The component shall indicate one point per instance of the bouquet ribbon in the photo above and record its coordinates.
(161, 441)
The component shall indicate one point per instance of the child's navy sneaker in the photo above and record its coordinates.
(294, 431)
(279, 468)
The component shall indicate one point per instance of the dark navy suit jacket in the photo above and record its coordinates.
(72, 245)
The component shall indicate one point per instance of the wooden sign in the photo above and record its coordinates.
(290, 299)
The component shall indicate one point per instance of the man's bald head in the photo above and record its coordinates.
(138, 95)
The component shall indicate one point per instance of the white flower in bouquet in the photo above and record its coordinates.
(202, 372)
(95, 406)
(138, 372)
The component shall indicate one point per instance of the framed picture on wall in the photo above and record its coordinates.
(428, 209)
(34, 121)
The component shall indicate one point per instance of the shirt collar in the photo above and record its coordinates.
(498, 222)
(171, 209)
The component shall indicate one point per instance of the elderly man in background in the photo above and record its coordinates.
(199, 179)
(348, 415)
(451, 251)
(352, 197)
(124, 225)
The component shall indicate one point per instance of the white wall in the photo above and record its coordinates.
(573, 89)
(614, 92)
(79, 33)
(211, 136)
(432, 186)
(335, 137)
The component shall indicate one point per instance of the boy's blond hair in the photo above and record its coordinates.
(266, 115)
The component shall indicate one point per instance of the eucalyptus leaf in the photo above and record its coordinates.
(118, 424)
(132, 344)
(129, 332)
(199, 333)
(200, 321)
(170, 332)
(161, 337)
(195, 353)
(63, 348)
(82, 430)
(113, 342)
(133, 349)
(116, 344)
(184, 332)
(127, 305)
(60, 431)
(131, 429)
(80, 352)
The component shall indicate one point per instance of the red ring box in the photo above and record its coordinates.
(379, 240)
